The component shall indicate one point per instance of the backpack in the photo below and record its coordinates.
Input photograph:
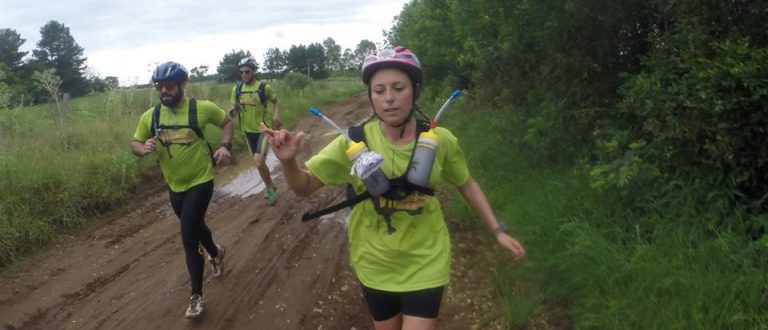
(261, 91)
(192, 124)
(399, 188)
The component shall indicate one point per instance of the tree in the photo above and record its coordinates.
(97, 84)
(5, 90)
(296, 59)
(228, 69)
(363, 49)
(274, 62)
(112, 82)
(57, 49)
(332, 54)
(199, 72)
(317, 61)
(10, 41)
(50, 82)
(348, 60)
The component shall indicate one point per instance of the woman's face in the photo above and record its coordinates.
(391, 95)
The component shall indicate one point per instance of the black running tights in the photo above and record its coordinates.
(190, 206)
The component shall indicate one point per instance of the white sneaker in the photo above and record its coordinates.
(196, 306)
(218, 262)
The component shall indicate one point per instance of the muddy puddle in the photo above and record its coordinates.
(242, 179)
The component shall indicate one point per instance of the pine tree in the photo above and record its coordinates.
(10, 41)
(57, 49)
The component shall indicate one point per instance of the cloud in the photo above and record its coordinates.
(122, 37)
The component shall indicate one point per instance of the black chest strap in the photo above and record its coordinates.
(192, 124)
(399, 188)
(191, 120)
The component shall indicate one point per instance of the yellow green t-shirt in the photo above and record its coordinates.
(251, 110)
(417, 255)
(191, 163)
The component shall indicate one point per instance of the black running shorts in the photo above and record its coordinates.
(257, 143)
(383, 305)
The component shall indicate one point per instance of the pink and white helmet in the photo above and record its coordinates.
(399, 58)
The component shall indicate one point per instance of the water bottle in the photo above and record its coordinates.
(367, 165)
(423, 158)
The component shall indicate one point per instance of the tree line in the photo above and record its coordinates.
(58, 65)
(649, 97)
(316, 60)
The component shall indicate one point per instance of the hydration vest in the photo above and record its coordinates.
(261, 91)
(399, 188)
(262, 99)
(156, 127)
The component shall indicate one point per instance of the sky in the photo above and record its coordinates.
(127, 38)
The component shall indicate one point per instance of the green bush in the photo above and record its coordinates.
(297, 81)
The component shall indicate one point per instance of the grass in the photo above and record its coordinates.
(56, 178)
(594, 264)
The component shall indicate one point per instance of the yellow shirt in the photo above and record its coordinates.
(417, 255)
(251, 109)
(191, 162)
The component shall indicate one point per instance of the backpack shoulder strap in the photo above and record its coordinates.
(357, 133)
(422, 126)
(262, 94)
(194, 126)
(155, 120)
(192, 119)
(238, 91)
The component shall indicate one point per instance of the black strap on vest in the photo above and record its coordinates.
(192, 124)
(346, 203)
(261, 91)
(397, 186)
(191, 120)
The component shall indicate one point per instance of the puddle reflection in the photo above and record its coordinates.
(243, 180)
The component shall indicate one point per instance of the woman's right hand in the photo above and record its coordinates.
(284, 144)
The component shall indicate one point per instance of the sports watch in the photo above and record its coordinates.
(227, 145)
(502, 228)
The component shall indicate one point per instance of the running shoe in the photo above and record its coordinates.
(196, 306)
(218, 262)
(271, 196)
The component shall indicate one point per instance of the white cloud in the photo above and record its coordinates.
(124, 38)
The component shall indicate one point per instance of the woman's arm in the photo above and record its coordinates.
(475, 197)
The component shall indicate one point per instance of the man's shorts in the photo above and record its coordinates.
(257, 143)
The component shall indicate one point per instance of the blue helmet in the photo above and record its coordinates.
(170, 71)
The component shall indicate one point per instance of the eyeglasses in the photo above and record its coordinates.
(168, 85)
(246, 72)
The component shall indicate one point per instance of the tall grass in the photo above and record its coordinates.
(594, 264)
(54, 178)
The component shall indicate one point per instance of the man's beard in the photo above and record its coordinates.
(174, 100)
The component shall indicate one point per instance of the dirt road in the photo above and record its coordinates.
(127, 271)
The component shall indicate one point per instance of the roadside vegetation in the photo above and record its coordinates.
(623, 143)
(56, 178)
